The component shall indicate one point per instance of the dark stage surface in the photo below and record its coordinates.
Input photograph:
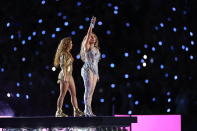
(38, 122)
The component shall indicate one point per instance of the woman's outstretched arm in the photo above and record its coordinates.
(86, 41)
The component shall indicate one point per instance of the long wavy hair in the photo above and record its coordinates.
(82, 51)
(63, 47)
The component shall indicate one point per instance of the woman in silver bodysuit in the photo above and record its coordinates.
(64, 59)
(90, 55)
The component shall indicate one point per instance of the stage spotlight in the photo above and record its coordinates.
(81, 27)
(14, 49)
(161, 66)
(175, 77)
(108, 32)
(192, 42)
(173, 9)
(126, 76)
(27, 97)
(2, 69)
(73, 33)
(64, 17)
(43, 32)
(191, 57)
(100, 23)
(102, 100)
(112, 65)
(138, 67)
(144, 64)
(66, 23)
(58, 29)
(113, 85)
(151, 60)
(103, 56)
(23, 42)
(29, 37)
(53, 35)
(126, 54)
(8, 24)
(160, 43)
(8, 95)
(168, 110)
(187, 49)
(66, 105)
(142, 61)
(78, 3)
(191, 33)
(161, 24)
(136, 102)
(138, 51)
(156, 28)
(17, 95)
(109, 4)
(53, 69)
(87, 19)
(59, 14)
(169, 19)
(146, 81)
(115, 12)
(127, 24)
(176, 58)
(166, 75)
(130, 112)
(23, 59)
(183, 47)
(40, 21)
(115, 7)
(174, 29)
(29, 75)
(43, 2)
(153, 99)
(34, 33)
(78, 56)
(17, 84)
(169, 100)
(145, 46)
(130, 95)
(12, 37)
(145, 57)
(184, 28)
(153, 49)
(168, 93)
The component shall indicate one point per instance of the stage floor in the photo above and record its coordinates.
(62, 122)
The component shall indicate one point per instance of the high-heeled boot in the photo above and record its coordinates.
(78, 112)
(59, 113)
(90, 110)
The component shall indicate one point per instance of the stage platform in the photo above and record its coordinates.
(63, 122)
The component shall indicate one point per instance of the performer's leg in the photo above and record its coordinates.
(92, 90)
(72, 90)
(60, 101)
(88, 80)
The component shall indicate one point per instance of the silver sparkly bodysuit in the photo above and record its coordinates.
(92, 58)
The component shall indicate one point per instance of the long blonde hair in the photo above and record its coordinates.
(63, 47)
(82, 51)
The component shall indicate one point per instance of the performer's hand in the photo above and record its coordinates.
(93, 20)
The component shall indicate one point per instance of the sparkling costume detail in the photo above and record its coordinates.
(92, 57)
(66, 66)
